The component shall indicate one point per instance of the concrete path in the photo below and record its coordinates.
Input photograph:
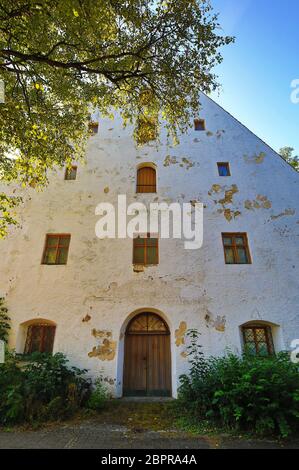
(98, 436)
(94, 435)
(126, 426)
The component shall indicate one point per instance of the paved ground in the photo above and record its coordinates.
(98, 436)
(126, 426)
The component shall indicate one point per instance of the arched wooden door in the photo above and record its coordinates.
(147, 367)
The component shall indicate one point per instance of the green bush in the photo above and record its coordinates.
(4, 321)
(45, 388)
(98, 397)
(258, 394)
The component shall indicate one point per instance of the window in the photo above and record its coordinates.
(147, 322)
(199, 125)
(236, 249)
(145, 251)
(146, 180)
(40, 338)
(223, 169)
(258, 340)
(93, 127)
(56, 249)
(70, 173)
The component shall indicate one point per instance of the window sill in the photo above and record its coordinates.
(46, 264)
(138, 268)
(154, 192)
(238, 264)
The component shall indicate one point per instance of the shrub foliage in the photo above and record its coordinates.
(45, 388)
(4, 321)
(256, 394)
(98, 397)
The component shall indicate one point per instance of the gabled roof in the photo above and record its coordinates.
(251, 132)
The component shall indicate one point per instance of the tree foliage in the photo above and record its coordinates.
(146, 58)
(287, 155)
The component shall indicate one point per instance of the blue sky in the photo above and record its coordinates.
(258, 69)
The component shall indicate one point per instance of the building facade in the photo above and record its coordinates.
(122, 308)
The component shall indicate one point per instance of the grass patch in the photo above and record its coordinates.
(148, 416)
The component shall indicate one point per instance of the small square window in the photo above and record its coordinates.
(93, 127)
(70, 173)
(56, 249)
(236, 250)
(199, 125)
(223, 169)
(145, 251)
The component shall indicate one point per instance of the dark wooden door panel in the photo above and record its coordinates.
(135, 365)
(158, 365)
(147, 365)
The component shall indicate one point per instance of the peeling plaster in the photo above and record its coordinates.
(161, 288)
(229, 194)
(106, 350)
(170, 161)
(180, 334)
(227, 199)
(219, 323)
(256, 158)
(101, 333)
(216, 188)
(229, 214)
(261, 202)
(86, 319)
(286, 213)
(185, 162)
